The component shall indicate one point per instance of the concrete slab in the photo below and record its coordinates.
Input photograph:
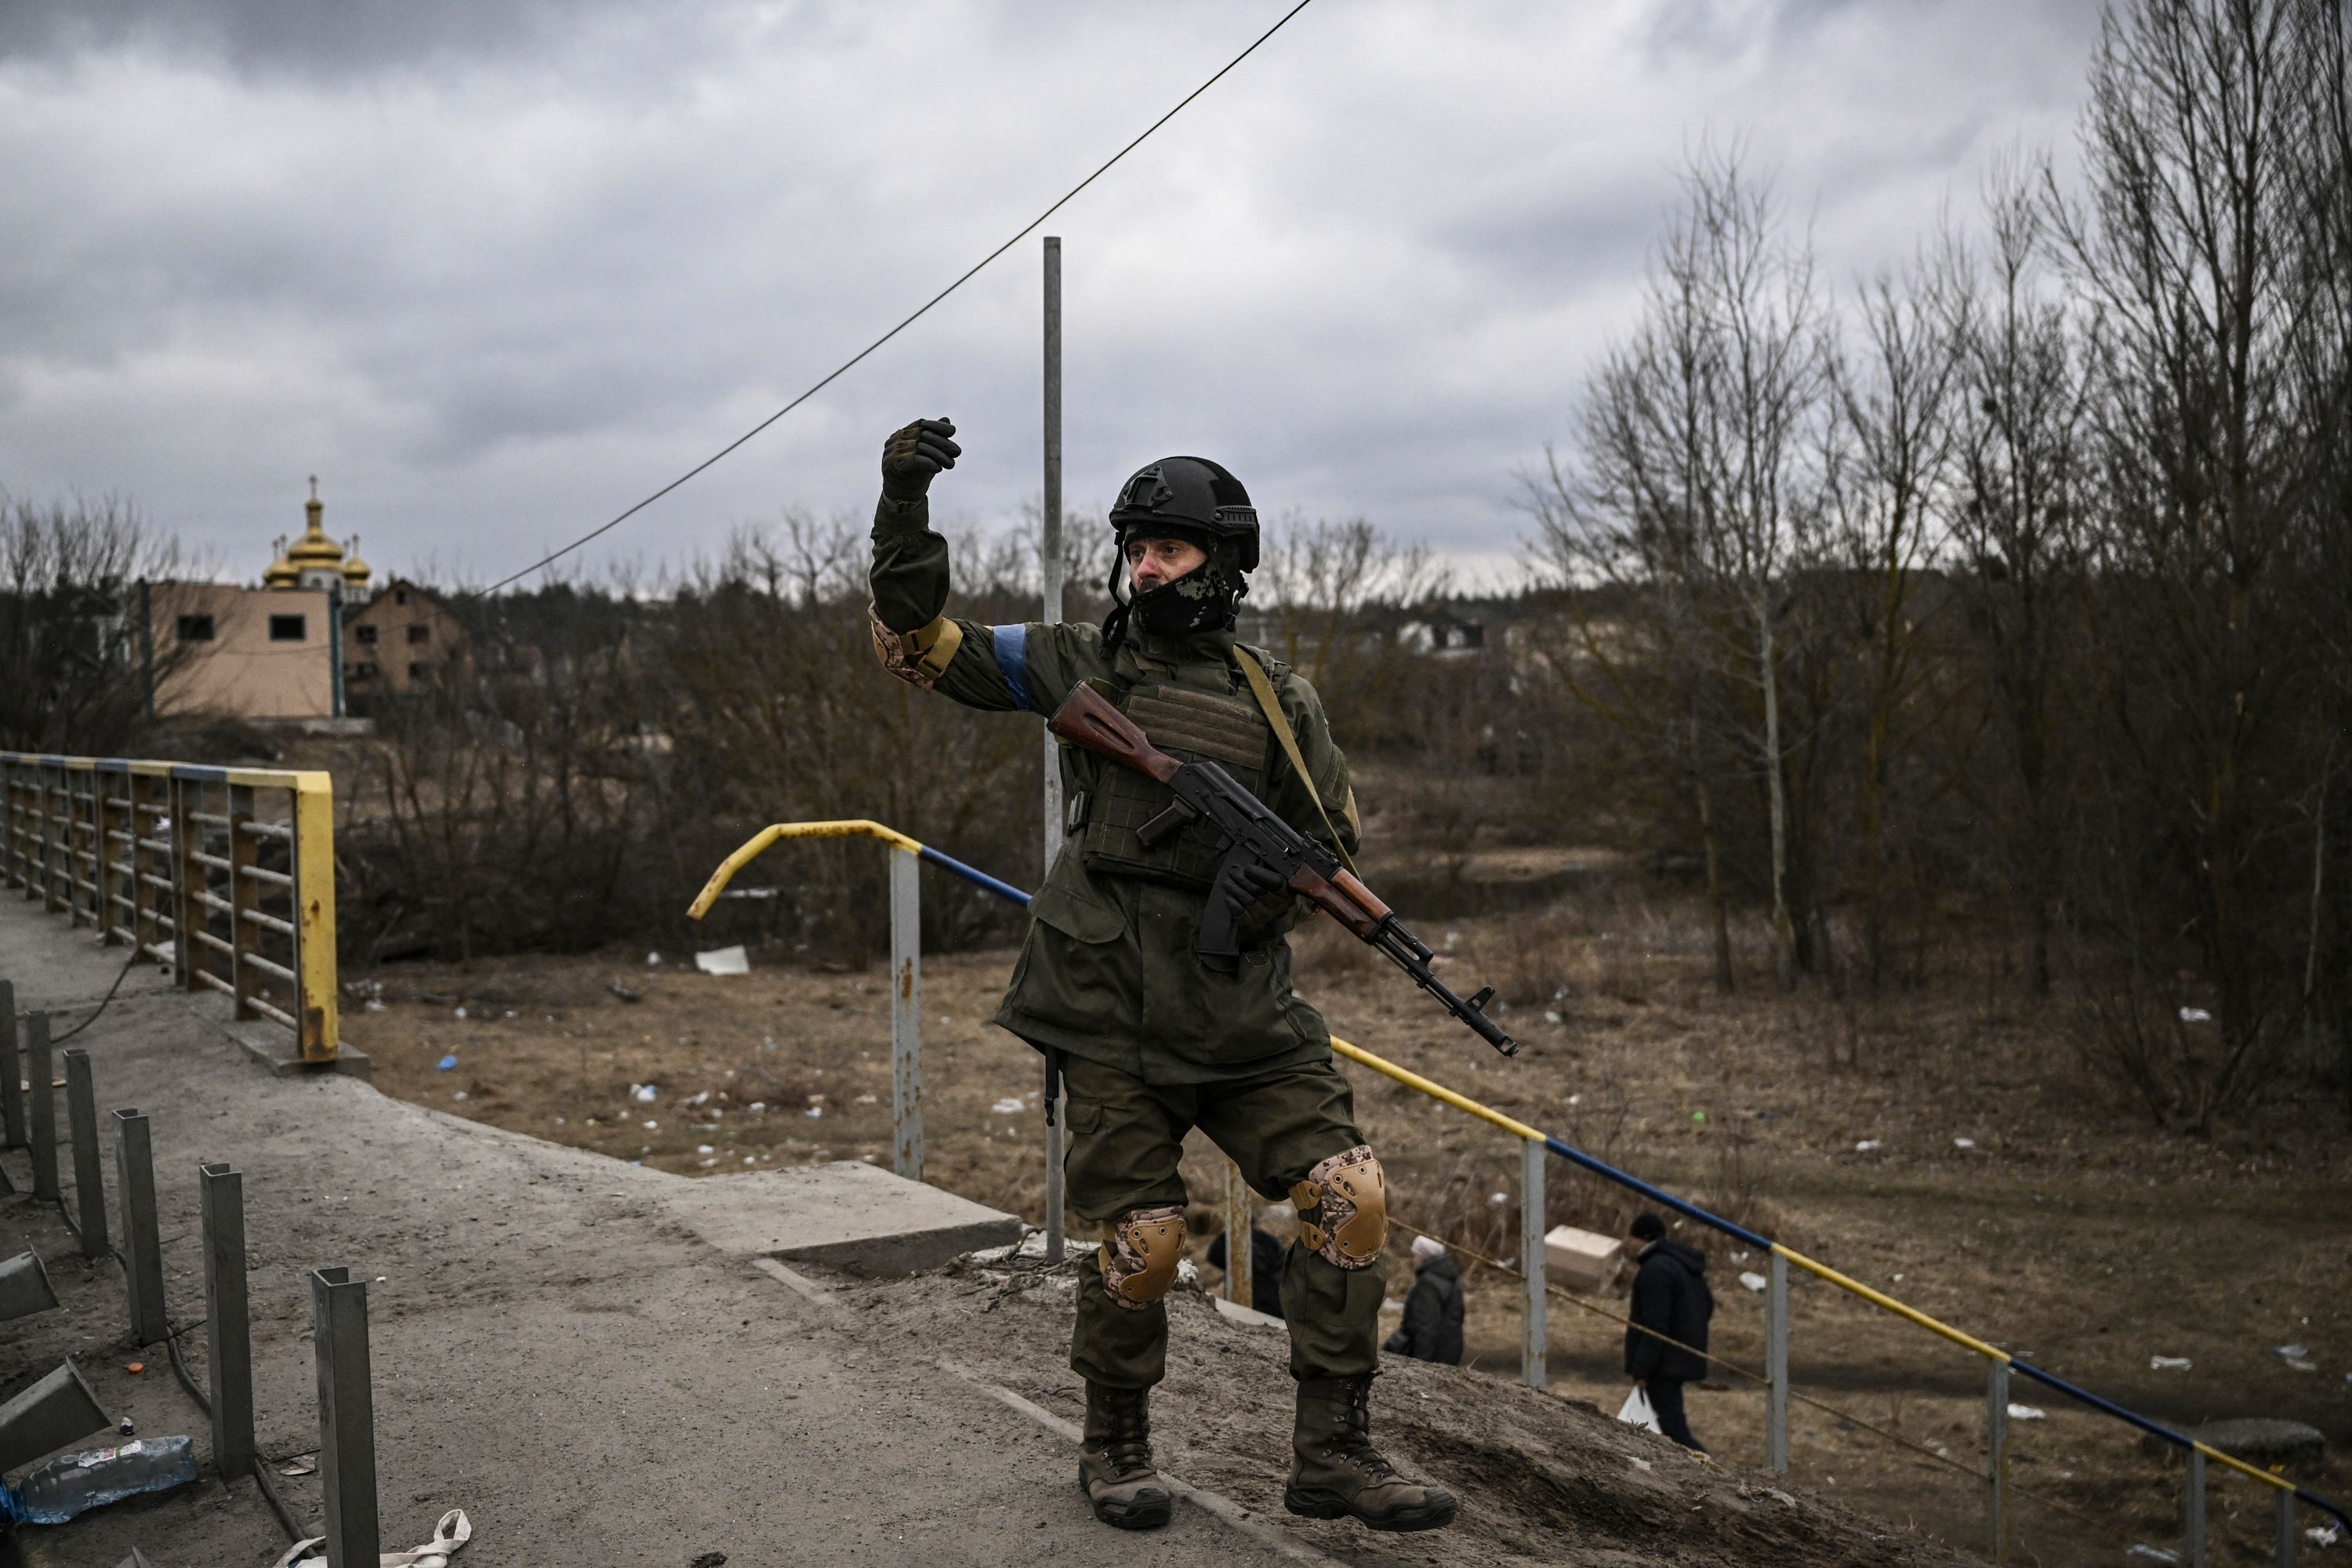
(847, 1215)
(273, 1046)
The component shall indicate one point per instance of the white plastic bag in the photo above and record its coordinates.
(1636, 1411)
(453, 1531)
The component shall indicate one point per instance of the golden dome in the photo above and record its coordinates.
(356, 571)
(282, 573)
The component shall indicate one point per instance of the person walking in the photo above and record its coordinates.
(1670, 1297)
(1432, 1309)
(1152, 1039)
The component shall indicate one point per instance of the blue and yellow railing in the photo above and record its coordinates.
(2002, 1364)
(225, 874)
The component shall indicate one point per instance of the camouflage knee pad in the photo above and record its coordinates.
(1139, 1253)
(1343, 1209)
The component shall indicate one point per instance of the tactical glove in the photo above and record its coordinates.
(913, 454)
(1259, 896)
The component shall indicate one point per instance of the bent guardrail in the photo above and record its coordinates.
(906, 1030)
(225, 874)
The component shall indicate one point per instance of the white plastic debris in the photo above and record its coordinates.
(2153, 1553)
(1008, 1106)
(1753, 1281)
(652, 1126)
(458, 1012)
(1964, 1143)
(2195, 1016)
(2322, 1534)
(652, 958)
(1865, 1146)
(1499, 1198)
(2025, 1412)
(453, 1531)
(643, 1093)
(2167, 1363)
(1551, 1015)
(2292, 1352)
(704, 1149)
(723, 960)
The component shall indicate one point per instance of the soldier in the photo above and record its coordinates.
(1154, 1041)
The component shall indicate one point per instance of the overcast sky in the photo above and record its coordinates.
(495, 268)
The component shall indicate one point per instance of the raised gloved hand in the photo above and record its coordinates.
(913, 454)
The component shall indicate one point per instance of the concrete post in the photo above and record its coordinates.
(25, 1288)
(90, 1166)
(142, 1249)
(1997, 1461)
(906, 1016)
(1238, 1215)
(12, 1096)
(228, 1356)
(346, 1418)
(42, 1104)
(1776, 1366)
(2192, 1509)
(47, 1415)
(1534, 1340)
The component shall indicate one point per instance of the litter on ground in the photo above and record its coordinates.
(1753, 1281)
(2025, 1412)
(1865, 1146)
(1964, 1143)
(2167, 1363)
(1008, 1106)
(723, 960)
(445, 1064)
(2195, 1016)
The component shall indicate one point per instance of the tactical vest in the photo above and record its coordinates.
(1191, 726)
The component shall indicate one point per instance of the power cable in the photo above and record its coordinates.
(137, 952)
(835, 374)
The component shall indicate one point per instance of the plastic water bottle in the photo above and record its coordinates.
(73, 1484)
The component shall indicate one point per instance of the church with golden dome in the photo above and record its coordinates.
(316, 560)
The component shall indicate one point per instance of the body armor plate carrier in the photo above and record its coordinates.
(1191, 726)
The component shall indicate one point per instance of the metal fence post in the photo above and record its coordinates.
(12, 1096)
(906, 1016)
(2192, 1509)
(89, 1167)
(188, 882)
(1056, 1116)
(311, 850)
(142, 1250)
(42, 1106)
(244, 897)
(103, 866)
(1238, 1218)
(2285, 1553)
(1997, 1460)
(1533, 1340)
(339, 1325)
(229, 1354)
(1776, 1366)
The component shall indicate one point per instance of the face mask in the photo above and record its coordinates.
(1203, 600)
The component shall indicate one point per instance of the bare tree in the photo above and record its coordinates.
(75, 637)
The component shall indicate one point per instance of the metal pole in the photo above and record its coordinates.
(142, 1250)
(1533, 1340)
(228, 1324)
(44, 1106)
(1776, 1366)
(12, 1096)
(1049, 534)
(346, 1418)
(2285, 1557)
(1049, 556)
(905, 1017)
(1239, 1287)
(2193, 1510)
(89, 1168)
(1997, 1459)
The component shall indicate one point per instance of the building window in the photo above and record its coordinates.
(400, 596)
(364, 634)
(196, 628)
(420, 672)
(420, 633)
(289, 628)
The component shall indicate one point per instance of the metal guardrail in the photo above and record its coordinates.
(905, 1057)
(225, 874)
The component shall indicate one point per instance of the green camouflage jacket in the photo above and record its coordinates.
(1108, 970)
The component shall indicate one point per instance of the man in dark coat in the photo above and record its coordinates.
(1670, 1297)
(1433, 1313)
(1266, 1254)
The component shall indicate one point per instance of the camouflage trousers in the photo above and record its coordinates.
(1126, 1138)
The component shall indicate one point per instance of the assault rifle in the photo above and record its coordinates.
(1254, 836)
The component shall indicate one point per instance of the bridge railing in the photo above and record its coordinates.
(2002, 1367)
(225, 874)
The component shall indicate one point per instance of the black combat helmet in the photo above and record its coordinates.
(1189, 496)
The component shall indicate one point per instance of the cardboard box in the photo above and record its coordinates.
(1581, 1259)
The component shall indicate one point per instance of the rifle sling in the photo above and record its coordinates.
(1263, 689)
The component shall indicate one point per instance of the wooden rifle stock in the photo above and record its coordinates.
(1089, 719)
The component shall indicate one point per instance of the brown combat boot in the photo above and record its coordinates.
(1114, 1459)
(1337, 1474)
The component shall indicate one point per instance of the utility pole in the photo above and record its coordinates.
(1049, 553)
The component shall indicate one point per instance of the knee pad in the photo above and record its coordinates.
(1139, 1253)
(1343, 1209)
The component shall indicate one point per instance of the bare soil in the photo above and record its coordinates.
(2067, 1228)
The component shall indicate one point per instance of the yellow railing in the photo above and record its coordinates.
(225, 874)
